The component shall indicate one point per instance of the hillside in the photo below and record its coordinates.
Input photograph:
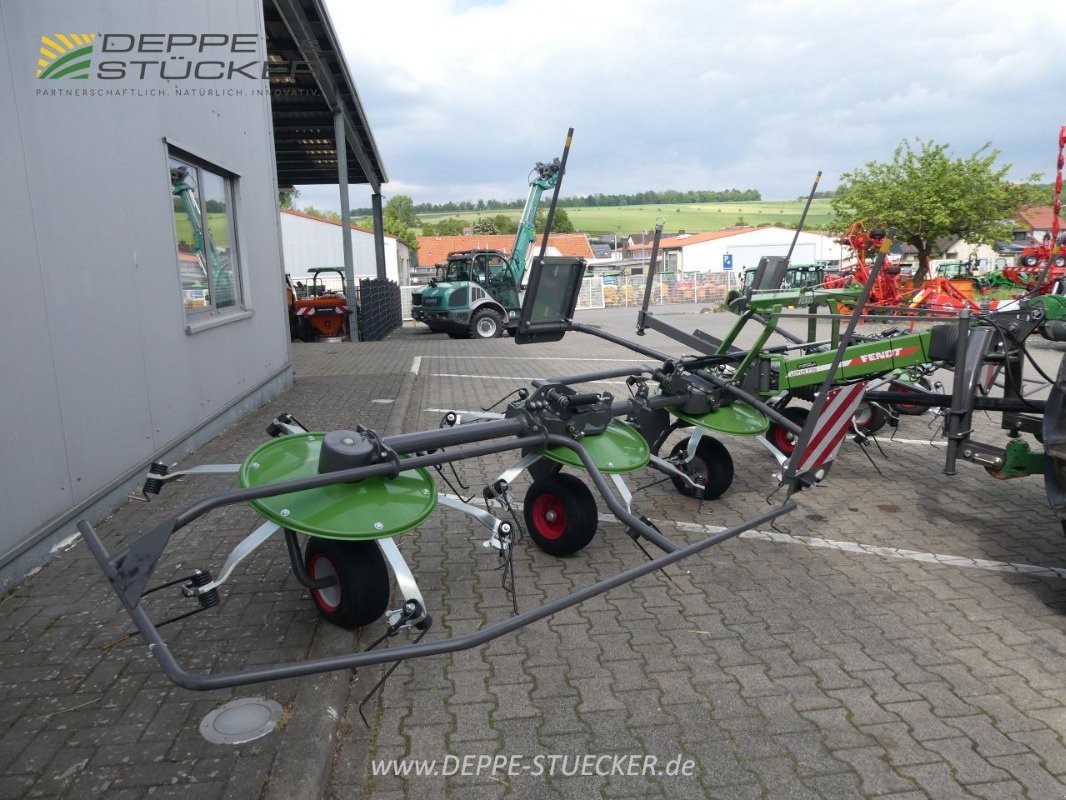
(693, 217)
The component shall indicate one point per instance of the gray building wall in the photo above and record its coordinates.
(99, 374)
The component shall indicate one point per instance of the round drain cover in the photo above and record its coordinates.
(240, 721)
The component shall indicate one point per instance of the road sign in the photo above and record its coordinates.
(727, 261)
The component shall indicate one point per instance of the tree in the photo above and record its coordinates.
(927, 194)
(505, 224)
(287, 198)
(560, 223)
(399, 217)
(485, 226)
(402, 209)
(449, 226)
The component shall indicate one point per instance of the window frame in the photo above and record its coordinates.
(197, 319)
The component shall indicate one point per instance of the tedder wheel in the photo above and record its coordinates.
(1029, 261)
(361, 592)
(560, 513)
(780, 437)
(869, 418)
(912, 410)
(712, 466)
(485, 324)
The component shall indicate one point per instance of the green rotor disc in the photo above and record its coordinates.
(620, 448)
(736, 419)
(372, 508)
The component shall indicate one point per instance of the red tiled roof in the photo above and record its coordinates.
(1036, 217)
(293, 213)
(435, 249)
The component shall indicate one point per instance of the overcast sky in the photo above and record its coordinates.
(464, 96)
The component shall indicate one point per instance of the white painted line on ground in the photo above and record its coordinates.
(416, 364)
(926, 442)
(635, 362)
(888, 552)
(505, 377)
(817, 542)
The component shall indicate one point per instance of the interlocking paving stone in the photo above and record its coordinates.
(784, 670)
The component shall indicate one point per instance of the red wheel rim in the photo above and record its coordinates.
(549, 516)
(329, 599)
(906, 406)
(864, 416)
(784, 440)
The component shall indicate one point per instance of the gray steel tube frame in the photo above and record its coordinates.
(717, 380)
(205, 682)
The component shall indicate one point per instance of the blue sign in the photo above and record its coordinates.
(727, 261)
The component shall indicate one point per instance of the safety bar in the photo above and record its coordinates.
(592, 377)
(204, 682)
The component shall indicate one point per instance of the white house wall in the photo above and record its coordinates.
(310, 243)
(99, 371)
(748, 247)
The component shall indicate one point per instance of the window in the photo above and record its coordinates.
(202, 199)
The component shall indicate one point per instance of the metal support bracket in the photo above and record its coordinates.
(405, 582)
(247, 546)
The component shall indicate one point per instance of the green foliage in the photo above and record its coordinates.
(560, 223)
(332, 216)
(399, 217)
(1033, 193)
(927, 194)
(669, 196)
(287, 198)
(449, 226)
(505, 224)
(485, 226)
(401, 208)
(692, 218)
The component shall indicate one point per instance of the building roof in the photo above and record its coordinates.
(299, 32)
(677, 242)
(1036, 217)
(301, 214)
(435, 249)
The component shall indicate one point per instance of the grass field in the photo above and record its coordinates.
(692, 217)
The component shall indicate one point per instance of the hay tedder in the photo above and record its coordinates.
(341, 499)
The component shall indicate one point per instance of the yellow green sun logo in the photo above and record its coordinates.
(65, 55)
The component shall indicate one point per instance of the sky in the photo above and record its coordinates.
(463, 97)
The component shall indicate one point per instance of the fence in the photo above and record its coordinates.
(699, 289)
(379, 309)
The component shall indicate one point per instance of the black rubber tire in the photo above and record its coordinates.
(480, 324)
(712, 466)
(870, 418)
(560, 514)
(780, 437)
(1058, 261)
(361, 593)
(908, 410)
(1029, 261)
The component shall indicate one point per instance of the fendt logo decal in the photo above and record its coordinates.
(866, 358)
(882, 355)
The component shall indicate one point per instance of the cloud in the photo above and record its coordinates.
(463, 97)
